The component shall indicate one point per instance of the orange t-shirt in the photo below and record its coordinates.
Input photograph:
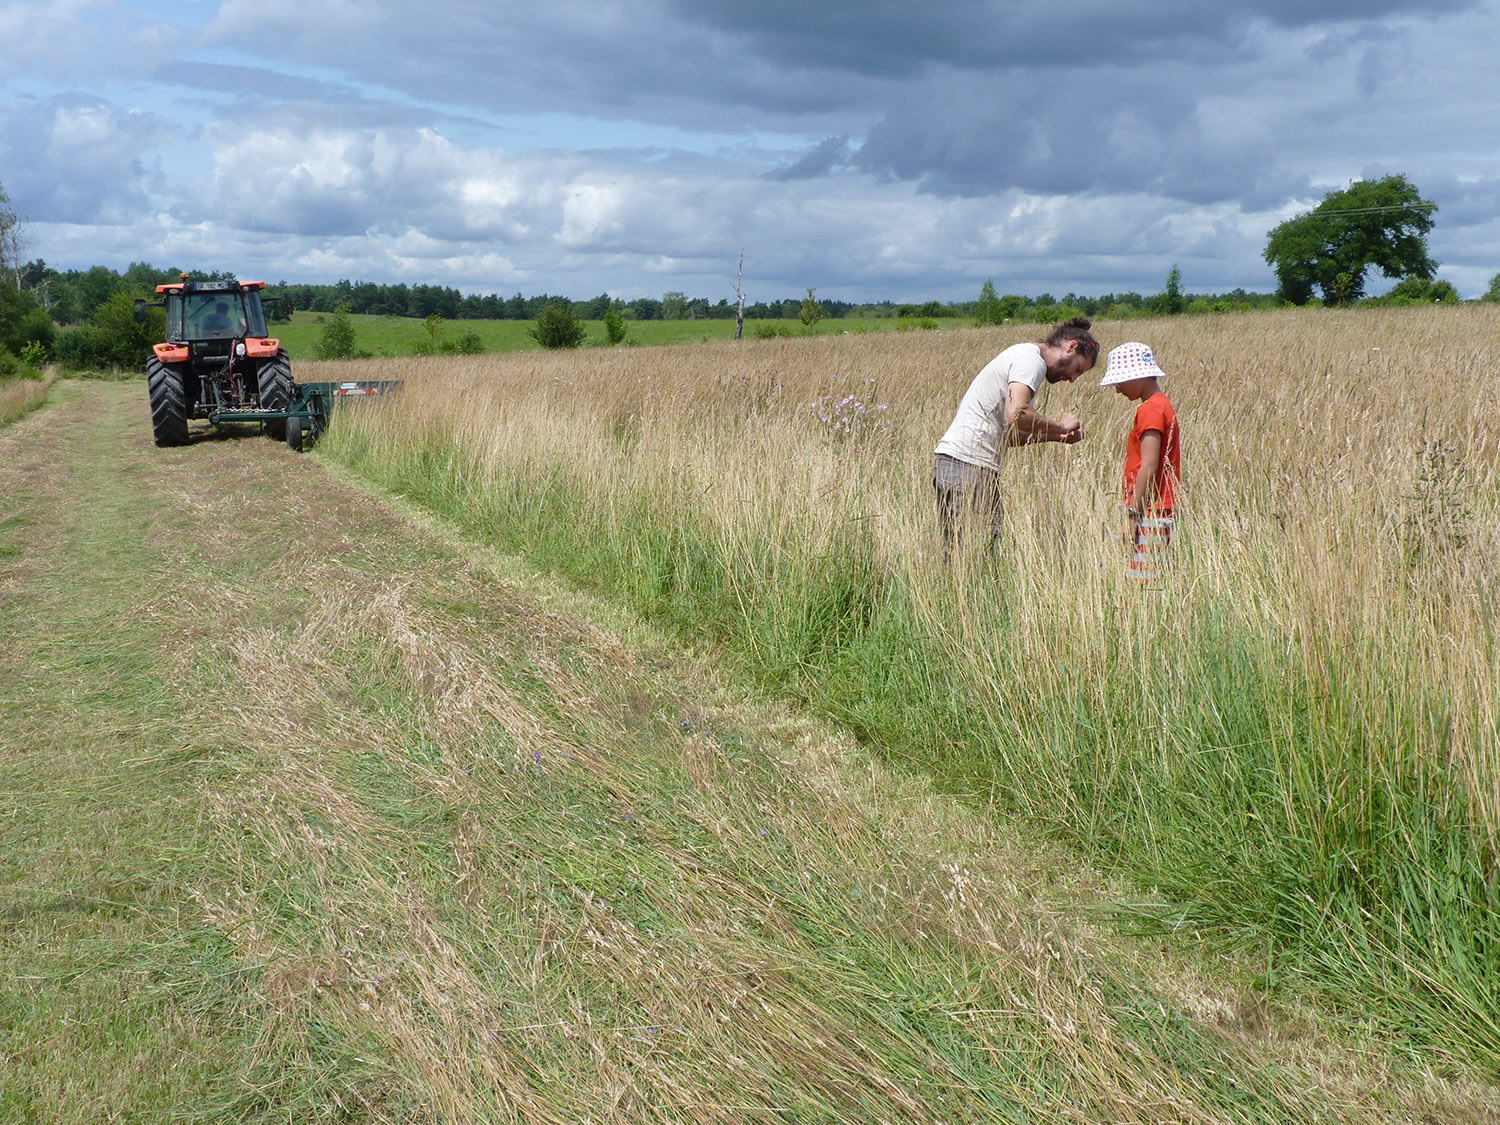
(1156, 413)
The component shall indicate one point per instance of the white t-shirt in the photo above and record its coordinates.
(977, 435)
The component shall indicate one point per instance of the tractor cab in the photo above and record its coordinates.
(213, 310)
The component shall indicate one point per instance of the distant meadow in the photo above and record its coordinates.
(393, 336)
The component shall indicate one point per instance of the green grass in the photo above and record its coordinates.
(396, 336)
(107, 1004)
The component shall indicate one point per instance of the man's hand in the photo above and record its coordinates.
(1072, 429)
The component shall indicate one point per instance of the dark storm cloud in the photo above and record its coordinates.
(1110, 132)
(971, 98)
(891, 38)
(685, 62)
(825, 157)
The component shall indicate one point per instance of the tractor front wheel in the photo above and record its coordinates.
(275, 386)
(168, 403)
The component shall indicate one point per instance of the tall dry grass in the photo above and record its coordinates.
(1295, 739)
(19, 397)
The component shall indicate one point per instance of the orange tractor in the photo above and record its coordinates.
(218, 363)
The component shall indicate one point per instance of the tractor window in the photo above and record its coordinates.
(214, 316)
(222, 316)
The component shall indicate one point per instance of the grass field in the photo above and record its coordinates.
(386, 336)
(315, 807)
(1293, 745)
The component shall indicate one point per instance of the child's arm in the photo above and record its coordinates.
(1143, 488)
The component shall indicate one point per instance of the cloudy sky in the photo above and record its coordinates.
(872, 150)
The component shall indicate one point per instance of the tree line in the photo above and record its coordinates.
(1323, 256)
(74, 296)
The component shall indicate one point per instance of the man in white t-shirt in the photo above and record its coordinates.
(996, 413)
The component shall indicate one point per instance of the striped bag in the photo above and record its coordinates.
(1153, 535)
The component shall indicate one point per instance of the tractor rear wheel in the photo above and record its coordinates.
(275, 386)
(168, 403)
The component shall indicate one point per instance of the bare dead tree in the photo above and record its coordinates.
(739, 300)
(12, 245)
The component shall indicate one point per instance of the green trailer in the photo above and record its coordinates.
(309, 408)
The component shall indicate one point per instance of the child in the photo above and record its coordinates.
(1153, 458)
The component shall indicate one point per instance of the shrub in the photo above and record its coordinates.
(115, 338)
(35, 327)
(557, 327)
(469, 343)
(1416, 291)
(766, 331)
(614, 326)
(80, 349)
(33, 358)
(812, 309)
(988, 310)
(337, 341)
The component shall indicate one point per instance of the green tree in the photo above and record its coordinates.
(337, 341)
(124, 341)
(1170, 300)
(23, 321)
(1372, 223)
(673, 305)
(557, 327)
(811, 312)
(988, 310)
(614, 326)
(1012, 305)
(1493, 292)
(1419, 291)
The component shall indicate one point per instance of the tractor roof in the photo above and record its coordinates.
(209, 286)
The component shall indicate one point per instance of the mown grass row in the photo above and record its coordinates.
(1292, 746)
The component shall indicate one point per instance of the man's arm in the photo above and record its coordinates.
(1025, 425)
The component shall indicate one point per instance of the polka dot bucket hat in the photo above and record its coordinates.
(1130, 361)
